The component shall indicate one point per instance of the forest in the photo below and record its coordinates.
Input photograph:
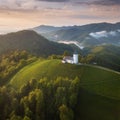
(40, 100)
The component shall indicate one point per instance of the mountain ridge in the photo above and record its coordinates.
(87, 35)
(32, 42)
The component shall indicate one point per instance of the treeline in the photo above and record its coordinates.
(105, 60)
(42, 99)
(11, 62)
(106, 55)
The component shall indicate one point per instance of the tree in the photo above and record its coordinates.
(66, 53)
(60, 96)
(74, 90)
(26, 118)
(39, 105)
(66, 113)
(13, 116)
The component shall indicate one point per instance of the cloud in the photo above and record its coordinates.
(107, 2)
(39, 4)
(31, 4)
(98, 2)
(118, 30)
(84, 16)
(57, 12)
(101, 34)
(53, 0)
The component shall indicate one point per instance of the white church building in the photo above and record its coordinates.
(71, 60)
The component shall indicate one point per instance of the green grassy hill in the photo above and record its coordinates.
(99, 97)
(99, 81)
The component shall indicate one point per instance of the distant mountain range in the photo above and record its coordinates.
(86, 35)
(32, 42)
(45, 29)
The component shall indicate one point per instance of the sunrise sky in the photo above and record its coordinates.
(23, 14)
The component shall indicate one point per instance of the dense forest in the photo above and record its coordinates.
(40, 100)
(13, 61)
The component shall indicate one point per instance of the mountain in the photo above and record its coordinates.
(87, 35)
(32, 42)
(46, 29)
(90, 92)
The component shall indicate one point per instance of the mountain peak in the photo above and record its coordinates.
(31, 41)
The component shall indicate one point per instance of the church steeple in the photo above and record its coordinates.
(75, 57)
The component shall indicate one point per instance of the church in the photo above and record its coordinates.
(71, 60)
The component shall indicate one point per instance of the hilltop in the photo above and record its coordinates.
(88, 75)
(97, 89)
(32, 42)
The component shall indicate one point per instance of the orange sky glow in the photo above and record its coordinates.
(22, 14)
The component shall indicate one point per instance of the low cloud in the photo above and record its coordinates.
(118, 30)
(101, 34)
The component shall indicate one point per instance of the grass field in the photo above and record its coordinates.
(99, 95)
(97, 80)
(47, 68)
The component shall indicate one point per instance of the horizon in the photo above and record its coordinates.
(14, 31)
(18, 15)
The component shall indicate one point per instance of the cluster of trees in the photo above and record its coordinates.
(107, 56)
(11, 62)
(105, 60)
(42, 99)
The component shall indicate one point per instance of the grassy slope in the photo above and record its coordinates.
(99, 97)
(99, 81)
(96, 107)
(47, 68)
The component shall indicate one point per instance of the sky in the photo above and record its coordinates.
(23, 14)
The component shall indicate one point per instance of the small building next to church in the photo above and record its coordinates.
(71, 60)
